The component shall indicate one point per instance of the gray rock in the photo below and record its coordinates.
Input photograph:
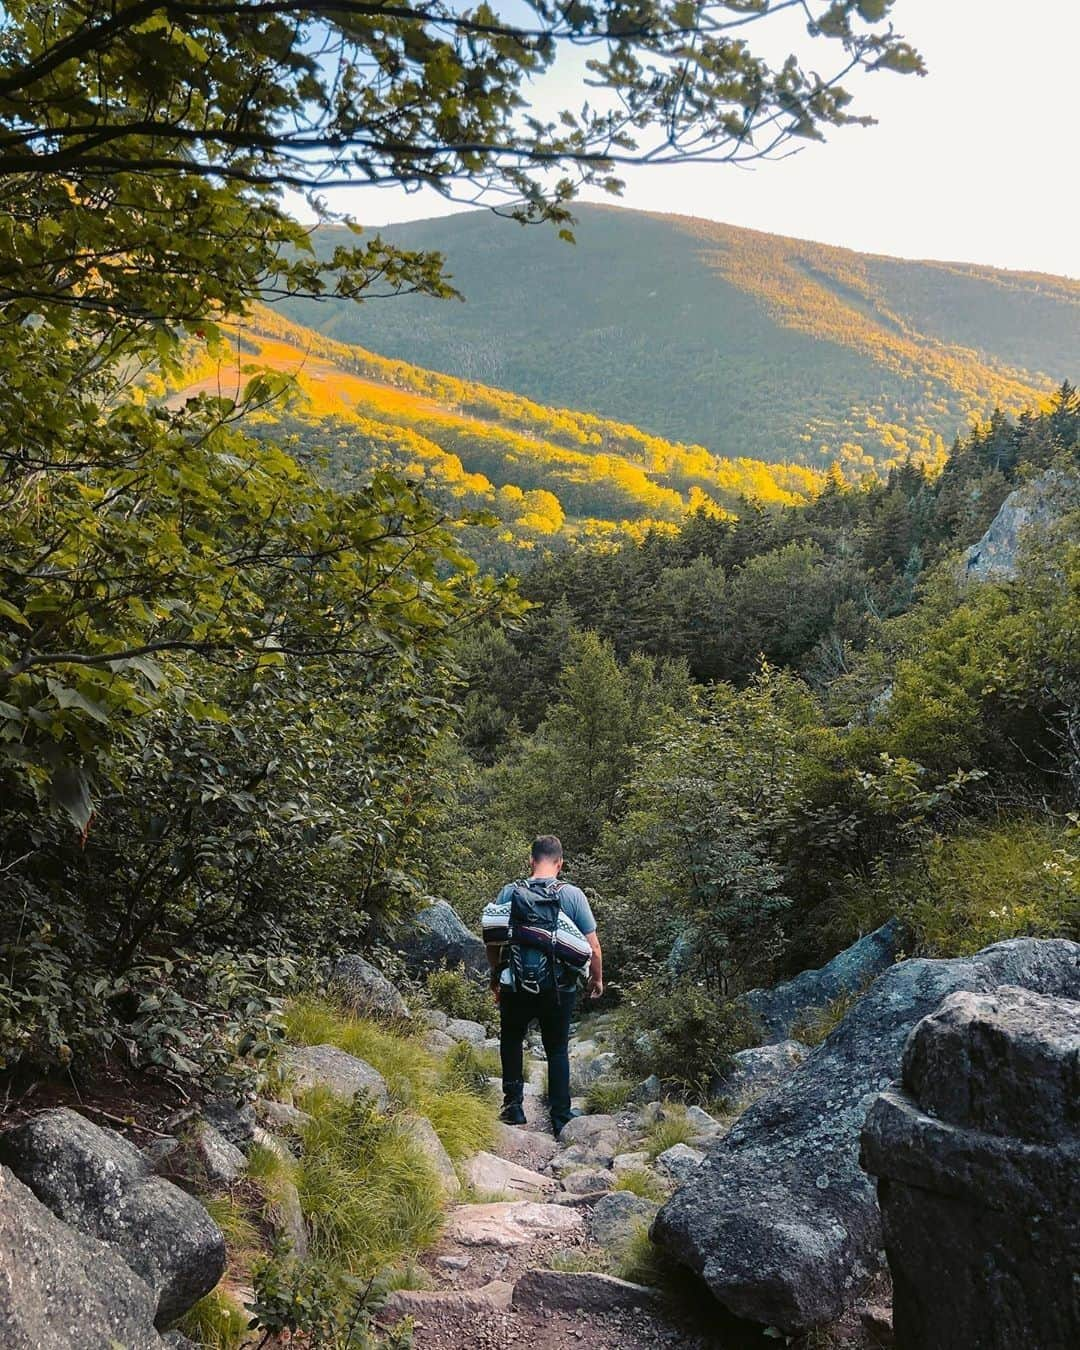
(589, 1181)
(650, 1090)
(461, 1029)
(584, 1073)
(223, 1162)
(680, 959)
(490, 1174)
(61, 1289)
(424, 1135)
(102, 1186)
(599, 1151)
(438, 1042)
(701, 1120)
(162, 1154)
(759, 1070)
(287, 1218)
(614, 1218)
(430, 1305)
(437, 937)
(234, 1121)
(586, 1291)
(630, 1162)
(1027, 509)
(778, 1009)
(327, 1066)
(680, 1161)
(582, 1128)
(436, 1018)
(978, 1158)
(282, 1117)
(780, 1221)
(360, 986)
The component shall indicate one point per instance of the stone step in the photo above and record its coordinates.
(514, 1223)
(429, 1303)
(490, 1173)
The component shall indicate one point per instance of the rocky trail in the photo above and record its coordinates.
(522, 1261)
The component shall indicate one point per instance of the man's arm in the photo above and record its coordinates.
(495, 962)
(596, 966)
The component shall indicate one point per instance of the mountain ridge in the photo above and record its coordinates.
(748, 343)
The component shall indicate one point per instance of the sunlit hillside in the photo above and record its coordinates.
(540, 470)
(747, 343)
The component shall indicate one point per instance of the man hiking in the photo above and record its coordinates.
(542, 946)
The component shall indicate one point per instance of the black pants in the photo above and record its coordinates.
(516, 1011)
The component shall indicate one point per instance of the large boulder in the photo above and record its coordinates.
(1027, 509)
(780, 1221)
(756, 1071)
(978, 1158)
(101, 1185)
(342, 1074)
(437, 937)
(778, 1009)
(61, 1289)
(366, 990)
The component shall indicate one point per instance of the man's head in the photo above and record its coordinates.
(546, 856)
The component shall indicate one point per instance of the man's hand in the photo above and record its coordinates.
(596, 988)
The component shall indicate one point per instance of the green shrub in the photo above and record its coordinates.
(1010, 880)
(463, 1121)
(459, 994)
(679, 1031)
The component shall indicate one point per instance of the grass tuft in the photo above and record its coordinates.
(673, 1129)
(370, 1196)
(216, 1322)
(641, 1262)
(231, 1216)
(640, 1181)
(608, 1096)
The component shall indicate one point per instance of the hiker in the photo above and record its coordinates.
(542, 946)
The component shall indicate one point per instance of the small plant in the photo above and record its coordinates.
(463, 1121)
(298, 1297)
(458, 994)
(608, 1096)
(813, 1025)
(232, 1217)
(216, 1322)
(576, 1261)
(640, 1181)
(679, 1031)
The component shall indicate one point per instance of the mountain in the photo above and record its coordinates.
(746, 343)
(540, 470)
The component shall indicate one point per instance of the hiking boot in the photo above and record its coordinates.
(557, 1124)
(513, 1113)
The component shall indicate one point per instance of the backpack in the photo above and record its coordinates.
(546, 951)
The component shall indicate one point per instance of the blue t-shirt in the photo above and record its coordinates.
(572, 902)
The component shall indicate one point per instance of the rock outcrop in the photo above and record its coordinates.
(437, 937)
(102, 1186)
(61, 1289)
(779, 1008)
(366, 990)
(780, 1221)
(978, 1158)
(1033, 506)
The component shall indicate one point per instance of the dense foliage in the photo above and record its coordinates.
(868, 730)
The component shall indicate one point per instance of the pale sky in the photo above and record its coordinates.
(974, 162)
